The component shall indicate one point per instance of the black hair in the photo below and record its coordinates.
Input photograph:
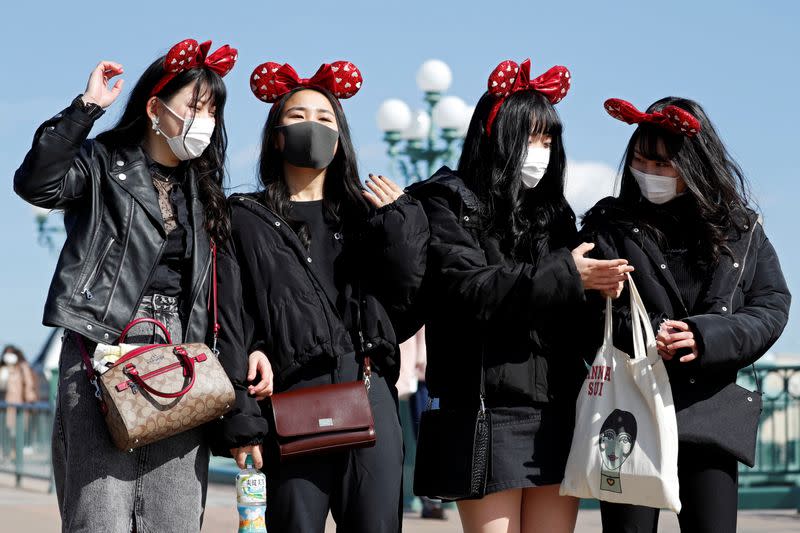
(620, 421)
(718, 186)
(490, 165)
(342, 196)
(131, 129)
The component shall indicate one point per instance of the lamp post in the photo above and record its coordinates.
(413, 146)
(44, 230)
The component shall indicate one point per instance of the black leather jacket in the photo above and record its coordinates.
(115, 232)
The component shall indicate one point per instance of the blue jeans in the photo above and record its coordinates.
(160, 487)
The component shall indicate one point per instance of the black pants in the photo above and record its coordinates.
(708, 492)
(361, 488)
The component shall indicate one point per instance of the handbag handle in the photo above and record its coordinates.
(188, 366)
(643, 335)
(124, 333)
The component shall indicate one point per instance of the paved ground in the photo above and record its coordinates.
(32, 509)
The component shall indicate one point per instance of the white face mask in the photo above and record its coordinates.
(194, 138)
(656, 189)
(535, 165)
(10, 358)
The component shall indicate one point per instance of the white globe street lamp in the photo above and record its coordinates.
(434, 76)
(445, 116)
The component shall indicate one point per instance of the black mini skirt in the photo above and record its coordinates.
(530, 446)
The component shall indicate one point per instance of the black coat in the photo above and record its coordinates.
(115, 231)
(479, 302)
(272, 299)
(741, 314)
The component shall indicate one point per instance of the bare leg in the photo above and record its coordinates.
(544, 511)
(495, 513)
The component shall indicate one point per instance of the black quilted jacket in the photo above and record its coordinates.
(479, 302)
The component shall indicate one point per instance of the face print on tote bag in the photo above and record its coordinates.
(617, 442)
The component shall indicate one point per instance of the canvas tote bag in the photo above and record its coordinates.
(625, 445)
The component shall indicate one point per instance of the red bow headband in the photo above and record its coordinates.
(270, 81)
(672, 118)
(508, 78)
(187, 55)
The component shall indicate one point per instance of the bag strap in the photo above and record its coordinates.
(90, 373)
(642, 328)
(361, 341)
(189, 371)
(143, 320)
(214, 348)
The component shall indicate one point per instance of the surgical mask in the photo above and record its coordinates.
(656, 189)
(535, 165)
(309, 144)
(10, 358)
(194, 138)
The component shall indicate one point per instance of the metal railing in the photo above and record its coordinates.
(778, 446)
(25, 431)
(25, 436)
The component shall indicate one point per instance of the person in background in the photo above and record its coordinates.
(18, 384)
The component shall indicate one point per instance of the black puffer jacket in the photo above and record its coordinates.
(271, 299)
(115, 232)
(741, 314)
(478, 301)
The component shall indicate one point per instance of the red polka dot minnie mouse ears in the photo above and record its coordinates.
(188, 54)
(509, 77)
(270, 81)
(671, 118)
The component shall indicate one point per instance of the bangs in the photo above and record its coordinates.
(656, 144)
(530, 109)
(209, 86)
(545, 121)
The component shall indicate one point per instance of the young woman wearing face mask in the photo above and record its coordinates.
(709, 278)
(141, 203)
(505, 274)
(18, 384)
(318, 274)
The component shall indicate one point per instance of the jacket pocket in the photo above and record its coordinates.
(91, 280)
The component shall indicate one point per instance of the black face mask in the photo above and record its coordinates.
(309, 144)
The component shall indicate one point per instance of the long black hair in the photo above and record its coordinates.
(490, 165)
(131, 129)
(718, 186)
(342, 197)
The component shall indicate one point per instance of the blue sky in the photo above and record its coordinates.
(737, 58)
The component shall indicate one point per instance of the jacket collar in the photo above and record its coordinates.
(128, 169)
(253, 203)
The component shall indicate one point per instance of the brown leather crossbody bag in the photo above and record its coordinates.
(324, 418)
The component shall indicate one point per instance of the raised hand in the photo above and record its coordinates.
(384, 191)
(97, 91)
(605, 275)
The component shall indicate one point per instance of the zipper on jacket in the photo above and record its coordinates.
(87, 288)
(308, 270)
(122, 260)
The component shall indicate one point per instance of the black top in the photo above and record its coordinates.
(678, 222)
(326, 244)
(168, 278)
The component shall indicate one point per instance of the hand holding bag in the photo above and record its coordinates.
(159, 390)
(625, 445)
